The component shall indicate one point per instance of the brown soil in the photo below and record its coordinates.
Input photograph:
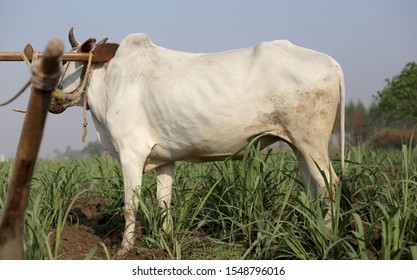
(89, 225)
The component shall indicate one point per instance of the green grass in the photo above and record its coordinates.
(250, 209)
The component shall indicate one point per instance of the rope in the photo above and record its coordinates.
(76, 94)
(16, 95)
(85, 123)
(87, 78)
(42, 81)
(26, 59)
(22, 90)
(72, 98)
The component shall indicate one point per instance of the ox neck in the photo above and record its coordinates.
(96, 90)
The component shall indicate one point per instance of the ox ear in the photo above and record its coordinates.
(87, 45)
(106, 51)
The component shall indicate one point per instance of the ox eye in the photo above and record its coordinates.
(64, 62)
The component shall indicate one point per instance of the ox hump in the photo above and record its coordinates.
(135, 41)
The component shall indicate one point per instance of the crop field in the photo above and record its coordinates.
(255, 208)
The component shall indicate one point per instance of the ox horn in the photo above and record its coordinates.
(102, 42)
(74, 43)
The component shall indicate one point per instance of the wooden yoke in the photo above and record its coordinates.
(12, 218)
(102, 53)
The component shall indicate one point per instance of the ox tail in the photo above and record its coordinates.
(342, 125)
(346, 195)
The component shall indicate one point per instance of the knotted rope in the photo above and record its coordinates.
(40, 80)
(87, 78)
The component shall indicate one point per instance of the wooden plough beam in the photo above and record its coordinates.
(99, 55)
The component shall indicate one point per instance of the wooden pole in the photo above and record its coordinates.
(69, 56)
(102, 53)
(15, 56)
(13, 216)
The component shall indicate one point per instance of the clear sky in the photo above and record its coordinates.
(371, 39)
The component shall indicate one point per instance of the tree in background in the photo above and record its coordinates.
(93, 149)
(357, 122)
(397, 102)
(394, 112)
(391, 119)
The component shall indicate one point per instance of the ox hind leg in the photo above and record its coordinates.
(164, 178)
(317, 173)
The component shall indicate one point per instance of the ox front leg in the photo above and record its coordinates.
(164, 177)
(132, 167)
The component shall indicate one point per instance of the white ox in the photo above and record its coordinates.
(153, 106)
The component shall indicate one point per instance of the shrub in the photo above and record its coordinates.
(393, 137)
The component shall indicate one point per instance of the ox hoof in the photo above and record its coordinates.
(121, 253)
